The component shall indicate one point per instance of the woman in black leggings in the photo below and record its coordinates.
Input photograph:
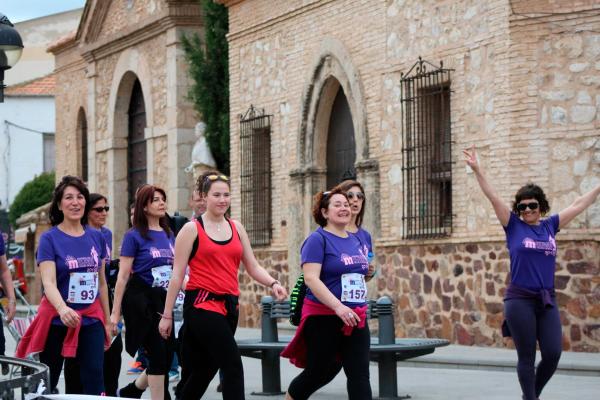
(333, 325)
(213, 247)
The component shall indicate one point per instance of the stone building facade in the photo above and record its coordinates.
(125, 54)
(525, 89)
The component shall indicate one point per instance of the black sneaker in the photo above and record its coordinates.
(130, 391)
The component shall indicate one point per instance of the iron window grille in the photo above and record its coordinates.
(426, 151)
(255, 146)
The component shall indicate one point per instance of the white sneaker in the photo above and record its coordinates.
(173, 376)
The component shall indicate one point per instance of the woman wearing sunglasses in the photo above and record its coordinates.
(145, 269)
(530, 307)
(333, 327)
(356, 197)
(213, 246)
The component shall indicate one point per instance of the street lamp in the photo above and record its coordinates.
(11, 47)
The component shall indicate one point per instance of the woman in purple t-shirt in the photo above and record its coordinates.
(333, 325)
(529, 304)
(146, 264)
(71, 262)
(357, 199)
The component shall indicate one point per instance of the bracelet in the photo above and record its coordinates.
(274, 282)
(164, 316)
(12, 301)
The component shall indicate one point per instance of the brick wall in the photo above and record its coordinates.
(524, 91)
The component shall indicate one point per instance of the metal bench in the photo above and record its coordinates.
(386, 349)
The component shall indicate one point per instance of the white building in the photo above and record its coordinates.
(26, 135)
(27, 116)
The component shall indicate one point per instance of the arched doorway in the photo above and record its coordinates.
(341, 145)
(136, 148)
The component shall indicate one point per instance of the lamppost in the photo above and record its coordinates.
(11, 47)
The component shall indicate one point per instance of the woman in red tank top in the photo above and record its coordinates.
(213, 246)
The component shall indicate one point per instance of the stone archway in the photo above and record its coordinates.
(331, 71)
(130, 68)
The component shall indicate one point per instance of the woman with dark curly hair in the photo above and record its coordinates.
(530, 305)
(73, 313)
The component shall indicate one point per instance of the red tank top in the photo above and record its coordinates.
(215, 266)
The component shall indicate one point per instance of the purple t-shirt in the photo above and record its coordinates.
(2, 245)
(532, 250)
(365, 240)
(149, 254)
(338, 256)
(78, 260)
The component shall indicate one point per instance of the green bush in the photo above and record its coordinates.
(208, 67)
(33, 194)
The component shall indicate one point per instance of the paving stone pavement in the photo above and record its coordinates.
(440, 376)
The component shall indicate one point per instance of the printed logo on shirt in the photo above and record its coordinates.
(548, 247)
(161, 253)
(351, 260)
(83, 262)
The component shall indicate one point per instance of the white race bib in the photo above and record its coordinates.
(180, 298)
(83, 287)
(354, 289)
(161, 276)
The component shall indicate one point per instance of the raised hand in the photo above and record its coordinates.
(471, 158)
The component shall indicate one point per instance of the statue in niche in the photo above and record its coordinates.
(202, 158)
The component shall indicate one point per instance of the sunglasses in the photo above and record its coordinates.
(524, 206)
(359, 195)
(100, 209)
(217, 177)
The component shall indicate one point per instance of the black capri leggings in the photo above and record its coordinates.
(90, 357)
(207, 346)
(325, 342)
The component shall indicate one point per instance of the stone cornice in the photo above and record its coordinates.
(181, 15)
(89, 31)
(273, 21)
(228, 3)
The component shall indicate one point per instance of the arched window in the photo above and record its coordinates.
(136, 148)
(341, 146)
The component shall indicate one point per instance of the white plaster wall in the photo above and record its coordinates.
(37, 34)
(23, 159)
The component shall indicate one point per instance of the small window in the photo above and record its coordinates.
(255, 152)
(426, 149)
(49, 152)
(83, 143)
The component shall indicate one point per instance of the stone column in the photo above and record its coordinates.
(91, 125)
(367, 172)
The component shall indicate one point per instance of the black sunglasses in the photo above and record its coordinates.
(100, 209)
(359, 195)
(523, 206)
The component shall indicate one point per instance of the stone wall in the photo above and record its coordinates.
(116, 43)
(455, 290)
(275, 263)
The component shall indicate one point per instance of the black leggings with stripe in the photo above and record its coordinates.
(207, 346)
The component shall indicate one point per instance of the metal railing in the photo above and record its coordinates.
(22, 377)
(426, 151)
(255, 152)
